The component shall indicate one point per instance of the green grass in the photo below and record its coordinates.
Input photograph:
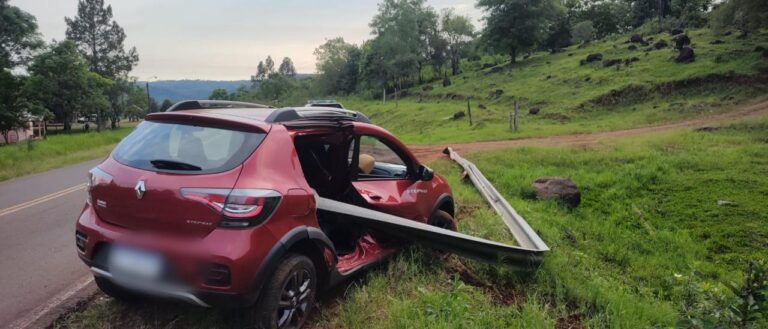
(57, 151)
(648, 246)
(557, 85)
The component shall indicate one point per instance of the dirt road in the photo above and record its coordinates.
(431, 152)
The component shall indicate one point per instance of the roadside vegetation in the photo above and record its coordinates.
(57, 151)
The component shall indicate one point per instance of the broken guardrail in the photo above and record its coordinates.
(529, 254)
(523, 233)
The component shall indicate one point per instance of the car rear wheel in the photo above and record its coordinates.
(115, 291)
(288, 297)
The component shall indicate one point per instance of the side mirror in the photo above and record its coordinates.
(425, 173)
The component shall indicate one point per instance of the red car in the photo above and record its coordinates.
(215, 203)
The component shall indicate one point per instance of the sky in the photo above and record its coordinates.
(225, 39)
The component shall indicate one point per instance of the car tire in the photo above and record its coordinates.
(116, 292)
(288, 297)
(442, 220)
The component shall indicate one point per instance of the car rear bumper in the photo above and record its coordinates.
(241, 251)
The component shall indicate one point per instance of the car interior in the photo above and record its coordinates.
(331, 161)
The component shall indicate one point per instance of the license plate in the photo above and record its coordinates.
(129, 263)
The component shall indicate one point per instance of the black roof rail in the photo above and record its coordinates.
(212, 104)
(315, 114)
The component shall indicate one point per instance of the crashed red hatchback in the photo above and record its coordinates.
(216, 203)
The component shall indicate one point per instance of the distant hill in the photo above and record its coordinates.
(177, 90)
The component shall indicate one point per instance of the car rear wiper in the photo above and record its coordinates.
(174, 165)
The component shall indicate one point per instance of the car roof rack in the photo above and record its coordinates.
(315, 114)
(212, 104)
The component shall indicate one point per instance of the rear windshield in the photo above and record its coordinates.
(187, 149)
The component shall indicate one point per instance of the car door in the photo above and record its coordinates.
(389, 185)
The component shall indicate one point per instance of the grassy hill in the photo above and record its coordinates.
(577, 98)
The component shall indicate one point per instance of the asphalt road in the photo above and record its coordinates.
(38, 260)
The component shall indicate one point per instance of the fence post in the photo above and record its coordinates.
(517, 109)
(469, 112)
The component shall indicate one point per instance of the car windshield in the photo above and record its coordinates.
(160, 146)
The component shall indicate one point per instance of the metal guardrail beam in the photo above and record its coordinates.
(526, 237)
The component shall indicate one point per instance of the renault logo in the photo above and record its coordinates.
(140, 189)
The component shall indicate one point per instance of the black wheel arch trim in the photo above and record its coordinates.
(281, 248)
(443, 199)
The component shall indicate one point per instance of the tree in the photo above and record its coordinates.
(269, 66)
(458, 31)
(167, 103)
(12, 114)
(61, 82)
(559, 32)
(337, 66)
(18, 36)
(287, 68)
(607, 16)
(397, 53)
(101, 41)
(261, 74)
(746, 15)
(583, 31)
(219, 94)
(513, 26)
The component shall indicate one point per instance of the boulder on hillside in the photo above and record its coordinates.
(632, 47)
(674, 32)
(458, 115)
(631, 60)
(495, 93)
(636, 38)
(481, 106)
(611, 62)
(686, 55)
(534, 110)
(660, 44)
(594, 57)
(558, 188)
(682, 41)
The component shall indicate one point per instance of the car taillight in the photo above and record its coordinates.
(238, 207)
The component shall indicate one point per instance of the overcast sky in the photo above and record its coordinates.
(225, 39)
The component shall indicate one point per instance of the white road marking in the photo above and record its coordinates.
(42, 199)
(42, 310)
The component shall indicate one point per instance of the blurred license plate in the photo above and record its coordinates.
(134, 264)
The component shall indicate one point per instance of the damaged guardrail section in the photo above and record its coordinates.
(529, 254)
(520, 229)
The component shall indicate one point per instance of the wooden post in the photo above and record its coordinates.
(469, 112)
(384, 95)
(517, 111)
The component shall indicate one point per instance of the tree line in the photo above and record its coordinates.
(412, 43)
(87, 74)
